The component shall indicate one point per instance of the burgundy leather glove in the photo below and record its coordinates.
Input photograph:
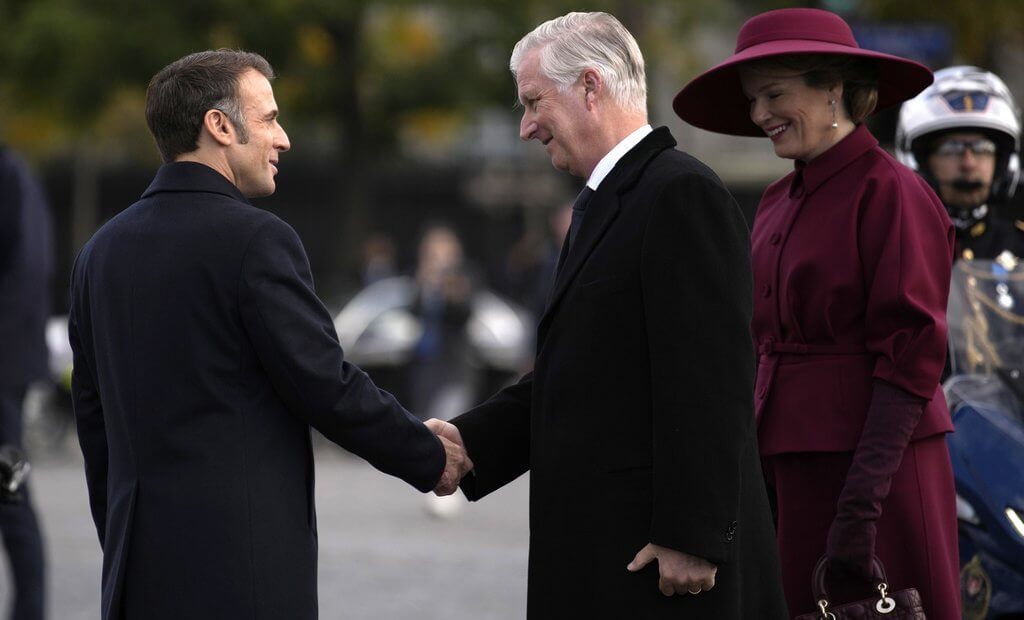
(890, 422)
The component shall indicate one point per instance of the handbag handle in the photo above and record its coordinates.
(884, 605)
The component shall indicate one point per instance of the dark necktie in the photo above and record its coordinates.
(579, 207)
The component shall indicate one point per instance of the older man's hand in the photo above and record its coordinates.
(445, 429)
(680, 573)
(457, 463)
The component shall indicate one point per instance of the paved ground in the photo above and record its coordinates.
(381, 555)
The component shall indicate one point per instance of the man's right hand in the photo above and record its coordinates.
(681, 573)
(457, 462)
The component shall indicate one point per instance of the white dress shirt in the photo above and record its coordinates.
(608, 162)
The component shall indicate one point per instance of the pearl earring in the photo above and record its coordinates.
(835, 125)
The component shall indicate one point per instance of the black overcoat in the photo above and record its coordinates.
(637, 423)
(202, 358)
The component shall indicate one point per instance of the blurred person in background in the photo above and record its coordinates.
(559, 221)
(26, 268)
(852, 255)
(202, 357)
(962, 134)
(531, 263)
(637, 423)
(441, 378)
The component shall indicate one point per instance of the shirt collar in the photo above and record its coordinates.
(608, 162)
(814, 173)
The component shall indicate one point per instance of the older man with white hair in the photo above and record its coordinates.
(647, 499)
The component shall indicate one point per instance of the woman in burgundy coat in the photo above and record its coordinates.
(851, 259)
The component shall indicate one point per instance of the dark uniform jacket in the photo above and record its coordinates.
(202, 358)
(26, 266)
(991, 237)
(637, 423)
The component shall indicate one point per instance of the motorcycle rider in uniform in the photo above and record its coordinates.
(962, 134)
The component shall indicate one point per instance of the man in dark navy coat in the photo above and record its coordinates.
(26, 266)
(202, 358)
(637, 424)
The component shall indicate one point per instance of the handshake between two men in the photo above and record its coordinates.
(457, 462)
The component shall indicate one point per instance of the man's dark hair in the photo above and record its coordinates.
(179, 96)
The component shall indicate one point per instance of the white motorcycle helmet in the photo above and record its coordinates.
(963, 97)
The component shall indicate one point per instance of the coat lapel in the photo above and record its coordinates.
(602, 210)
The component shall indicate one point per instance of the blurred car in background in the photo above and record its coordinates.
(379, 330)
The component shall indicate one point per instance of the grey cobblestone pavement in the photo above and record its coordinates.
(382, 556)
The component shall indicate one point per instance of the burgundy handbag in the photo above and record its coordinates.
(904, 604)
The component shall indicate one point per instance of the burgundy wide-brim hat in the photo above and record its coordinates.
(714, 100)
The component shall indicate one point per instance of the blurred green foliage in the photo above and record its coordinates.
(363, 73)
(359, 74)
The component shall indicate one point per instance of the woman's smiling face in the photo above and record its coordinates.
(796, 117)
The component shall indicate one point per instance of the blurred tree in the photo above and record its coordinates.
(978, 29)
(356, 77)
(67, 67)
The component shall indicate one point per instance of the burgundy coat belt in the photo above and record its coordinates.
(770, 347)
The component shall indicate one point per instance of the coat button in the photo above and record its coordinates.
(775, 238)
(766, 290)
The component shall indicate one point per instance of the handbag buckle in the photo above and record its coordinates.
(885, 603)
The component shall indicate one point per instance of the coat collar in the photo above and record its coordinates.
(820, 169)
(188, 176)
(626, 172)
(602, 210)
